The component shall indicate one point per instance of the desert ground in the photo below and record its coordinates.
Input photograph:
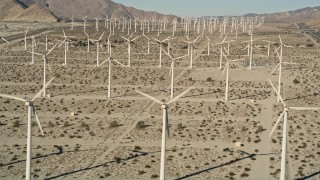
(90, 136)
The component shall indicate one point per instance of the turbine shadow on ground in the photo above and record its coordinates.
(100, 165)
(38, 157)
(249, 156)
(310, 176)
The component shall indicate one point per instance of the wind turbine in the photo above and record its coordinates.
(110, 60)
(226, 67)
(191, 55)
(88, 39)
(97, 22)
(129, 41)
(284, 114)
(84, 22)
(65, 41)
(98, 46)
(280, 56)
(31, 109)
(228, 49)
(250, 49)
(165, 126)
(25, 39)
(221, 50)
(269, 43)
(45, 63)
(148, 43)
(72, 20)
(32, 49)
(173, 60)
(160, 46)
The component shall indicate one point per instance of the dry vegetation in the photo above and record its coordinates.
(119, 138)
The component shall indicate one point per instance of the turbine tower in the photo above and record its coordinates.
(284, 114)
(31, 110)
(165, 126)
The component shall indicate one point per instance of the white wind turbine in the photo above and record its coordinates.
(72, 20)
(110, 60)
(88, 41)
(280, 56)
(84, 22)
(269, 43)
(221, 50)
(98, 46)
(45, 63)
(129, 41)
(97, 23)
(31, 109)
(165, 125)
(284, 114)
(65, 42)
(160, 46)
(173, 60)
(226, 67)
(148, 43)
(32, 49)
(228, 48)
(191, 44)
(208, 39)
(25, 39)
(250, 49)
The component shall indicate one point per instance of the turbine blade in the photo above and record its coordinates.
(181, 57)
(281, 99)
(101, 36)
(35, 53)
(135, 38)
(274, 127)
(51, 49)
(86, 34)
(119, 63)
(179, 96)
(104, 62)
(124, 38)
(275, 68)
(35, 114)
(148, 96)
(224, 69)
(5, 40)
(12, 97)
(40, 92)
(224, 39)
(305, 108)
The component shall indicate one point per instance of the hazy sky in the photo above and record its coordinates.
(218, 7)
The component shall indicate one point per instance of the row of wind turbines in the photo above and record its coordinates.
(165, 127)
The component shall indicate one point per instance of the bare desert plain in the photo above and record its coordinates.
(90, 136)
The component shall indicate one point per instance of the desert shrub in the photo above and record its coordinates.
(66, 124)
(154, 176)
(296, 81)
(141, 125)
(180, 126)
(16, 123)
(114, 124)
(161, 78)
(137, 148)
(209, 79)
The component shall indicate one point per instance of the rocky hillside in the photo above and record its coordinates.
(11, 10)
(300, 15)
(65, 9)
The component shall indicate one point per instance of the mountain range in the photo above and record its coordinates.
(55, 10)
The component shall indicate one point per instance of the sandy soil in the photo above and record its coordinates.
(87, 146)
